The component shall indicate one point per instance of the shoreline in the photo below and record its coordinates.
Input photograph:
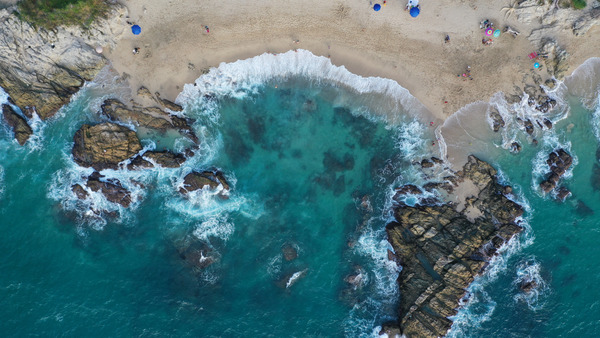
(388, 44)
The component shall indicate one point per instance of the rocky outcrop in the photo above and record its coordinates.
(206, 179)
(559, 161)
(497, 120)
(104, 146)
(441, 249)
(163, 158)
(149, 117)
(17, 123)
(40, 69)
(110, 188)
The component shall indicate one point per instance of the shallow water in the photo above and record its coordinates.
(301, 152)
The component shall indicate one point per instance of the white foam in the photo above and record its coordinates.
(529, 270)
(3, 96)
(294, 278)
(478, 306)
(239, 78)
(217, 226)
(584, 82)
(540, 169)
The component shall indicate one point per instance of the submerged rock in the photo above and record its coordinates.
(441, 250)
(206, 179)
(104, 146)
(17, 123)
(195, 253)
(289, 252)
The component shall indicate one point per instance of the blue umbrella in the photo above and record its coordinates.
(414, 12)
(377, 7)
(136, 30)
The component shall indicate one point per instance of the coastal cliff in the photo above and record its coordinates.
(40, 69)
(443, 247)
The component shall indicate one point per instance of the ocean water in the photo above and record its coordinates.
(312, 153)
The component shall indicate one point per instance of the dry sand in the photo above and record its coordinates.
(175, 49)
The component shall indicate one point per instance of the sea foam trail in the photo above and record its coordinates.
(584, 82)
(245, 76)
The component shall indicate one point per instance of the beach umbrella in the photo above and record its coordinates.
(377, 7)
(496, 33)
(536, 65)
(489, 32)
(414, 12)
(99, 49)
(136, 30)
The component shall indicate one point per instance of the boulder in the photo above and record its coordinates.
(41, 69)
(528, 285)
(206, 179)
(441, 251)
(497, 120)
(172, 106)
(515, 147)
(195, 253)
(17, 123)
(104, 146)
(425, 163)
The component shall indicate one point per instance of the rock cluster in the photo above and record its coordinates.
(40, 69)
(497, 120)
(148, 117)
(17, 123)
(559, 161)
(442, 249)
(111, 188)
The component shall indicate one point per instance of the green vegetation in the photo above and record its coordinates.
(52, 13)
(579, 4)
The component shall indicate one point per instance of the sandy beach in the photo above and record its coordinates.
(175, 48)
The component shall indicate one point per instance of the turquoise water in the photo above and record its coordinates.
(300, 165)
(312, 166)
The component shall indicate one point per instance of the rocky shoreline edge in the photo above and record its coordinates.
(442, 247)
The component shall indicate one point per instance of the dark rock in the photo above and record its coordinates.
(562, 193)
(17, 123)
(138, 163)
(437, 160)
(528, 126)
(550, 83)
(211, 179)
(534, 142)
(507, 190)
(165, 158)
(104, 145)
(442, 251)
(289, 252)
(497, 120)
(548, 123)
(152, 118)
(172, 106)
(425, 163)
(528, 285)
(559, 161)
(79, 191)
(515, 147)
(111, 189)
(408, 189)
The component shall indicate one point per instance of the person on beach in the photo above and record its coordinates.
(447, 39)
(207, 30)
